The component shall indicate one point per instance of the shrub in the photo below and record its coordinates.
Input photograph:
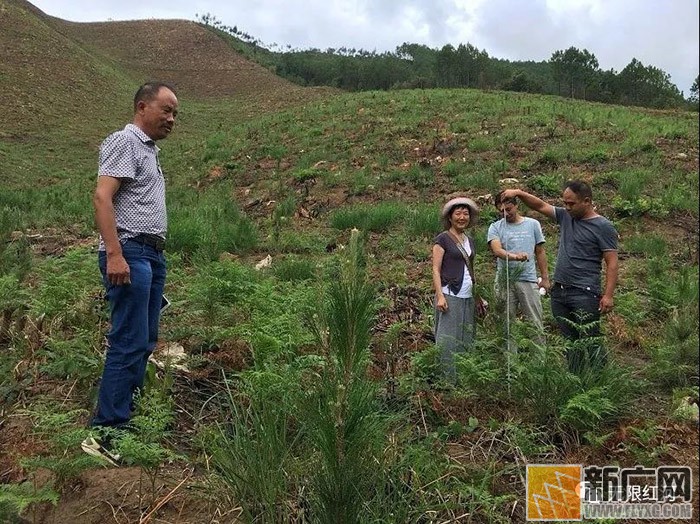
(379, 218)
(341, 414)
(680, 197)
(77, 358)
(631, 182)
(209, 226)
(675, 358)
(425, 369)
(16, 498)
(480, 372)
(291, 269)
(217, 287)
(252, 453)
(142, 446)
(423, 221)
(649, 245)
(542, 383)
(549, 184)
(637, 207)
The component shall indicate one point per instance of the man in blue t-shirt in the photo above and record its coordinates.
(520, 241)
(585, 240)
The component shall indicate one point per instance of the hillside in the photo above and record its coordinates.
(200, 64)
(47, 77)
(265, 183)
(54, 71)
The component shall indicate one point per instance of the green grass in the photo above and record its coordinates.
(647, 245)
(377, 218)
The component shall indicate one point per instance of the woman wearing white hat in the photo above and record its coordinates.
(453, 280)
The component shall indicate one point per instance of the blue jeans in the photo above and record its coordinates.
(576, 313)
(135, 314)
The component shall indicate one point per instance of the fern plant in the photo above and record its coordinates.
(587, 409)
(141, 444)
(16, 498)
(542, 383)
(62, 434)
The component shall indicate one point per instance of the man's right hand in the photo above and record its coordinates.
(530, 201)
(441, 303)
(509, 194)
(118, 272)
(520, 256)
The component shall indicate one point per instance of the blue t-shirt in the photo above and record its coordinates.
(523, 236)
(581, 246)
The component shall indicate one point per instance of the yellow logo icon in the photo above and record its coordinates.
(553, 492)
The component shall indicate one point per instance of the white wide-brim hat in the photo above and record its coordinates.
(461, 201)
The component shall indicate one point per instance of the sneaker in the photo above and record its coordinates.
(96, 448)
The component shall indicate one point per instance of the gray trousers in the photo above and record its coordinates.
(526, 297)
(455, 331)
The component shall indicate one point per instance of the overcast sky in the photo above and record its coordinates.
(662, 33)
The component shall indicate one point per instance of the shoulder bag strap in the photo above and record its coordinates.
(466, 257)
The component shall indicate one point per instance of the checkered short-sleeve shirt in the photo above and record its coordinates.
(139, 204)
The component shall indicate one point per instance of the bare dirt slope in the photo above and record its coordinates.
(55, 72)
(45, 76)
(200, 63)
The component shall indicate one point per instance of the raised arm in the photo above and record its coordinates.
(530, 201)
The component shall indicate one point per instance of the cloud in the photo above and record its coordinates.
(370, 25)
(662, 34)
(519, 29)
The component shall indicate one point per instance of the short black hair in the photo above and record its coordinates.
(499, 199)
(579, 188)
(446, 219)
(149, 91)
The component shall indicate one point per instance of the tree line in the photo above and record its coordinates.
(571, 72)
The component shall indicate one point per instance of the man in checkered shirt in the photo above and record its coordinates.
(131, 216)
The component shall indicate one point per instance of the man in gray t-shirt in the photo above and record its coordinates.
(586, 240)
(519, 241)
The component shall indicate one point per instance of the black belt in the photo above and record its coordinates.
(569, 286)
(147, 239)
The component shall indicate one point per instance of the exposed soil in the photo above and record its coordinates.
(54, 241)
(198, 62)
(126, 496)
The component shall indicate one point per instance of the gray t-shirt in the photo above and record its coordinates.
(523, 236)
(581, 247)
(139, 203)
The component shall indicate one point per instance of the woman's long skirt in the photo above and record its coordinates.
(455, 331)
